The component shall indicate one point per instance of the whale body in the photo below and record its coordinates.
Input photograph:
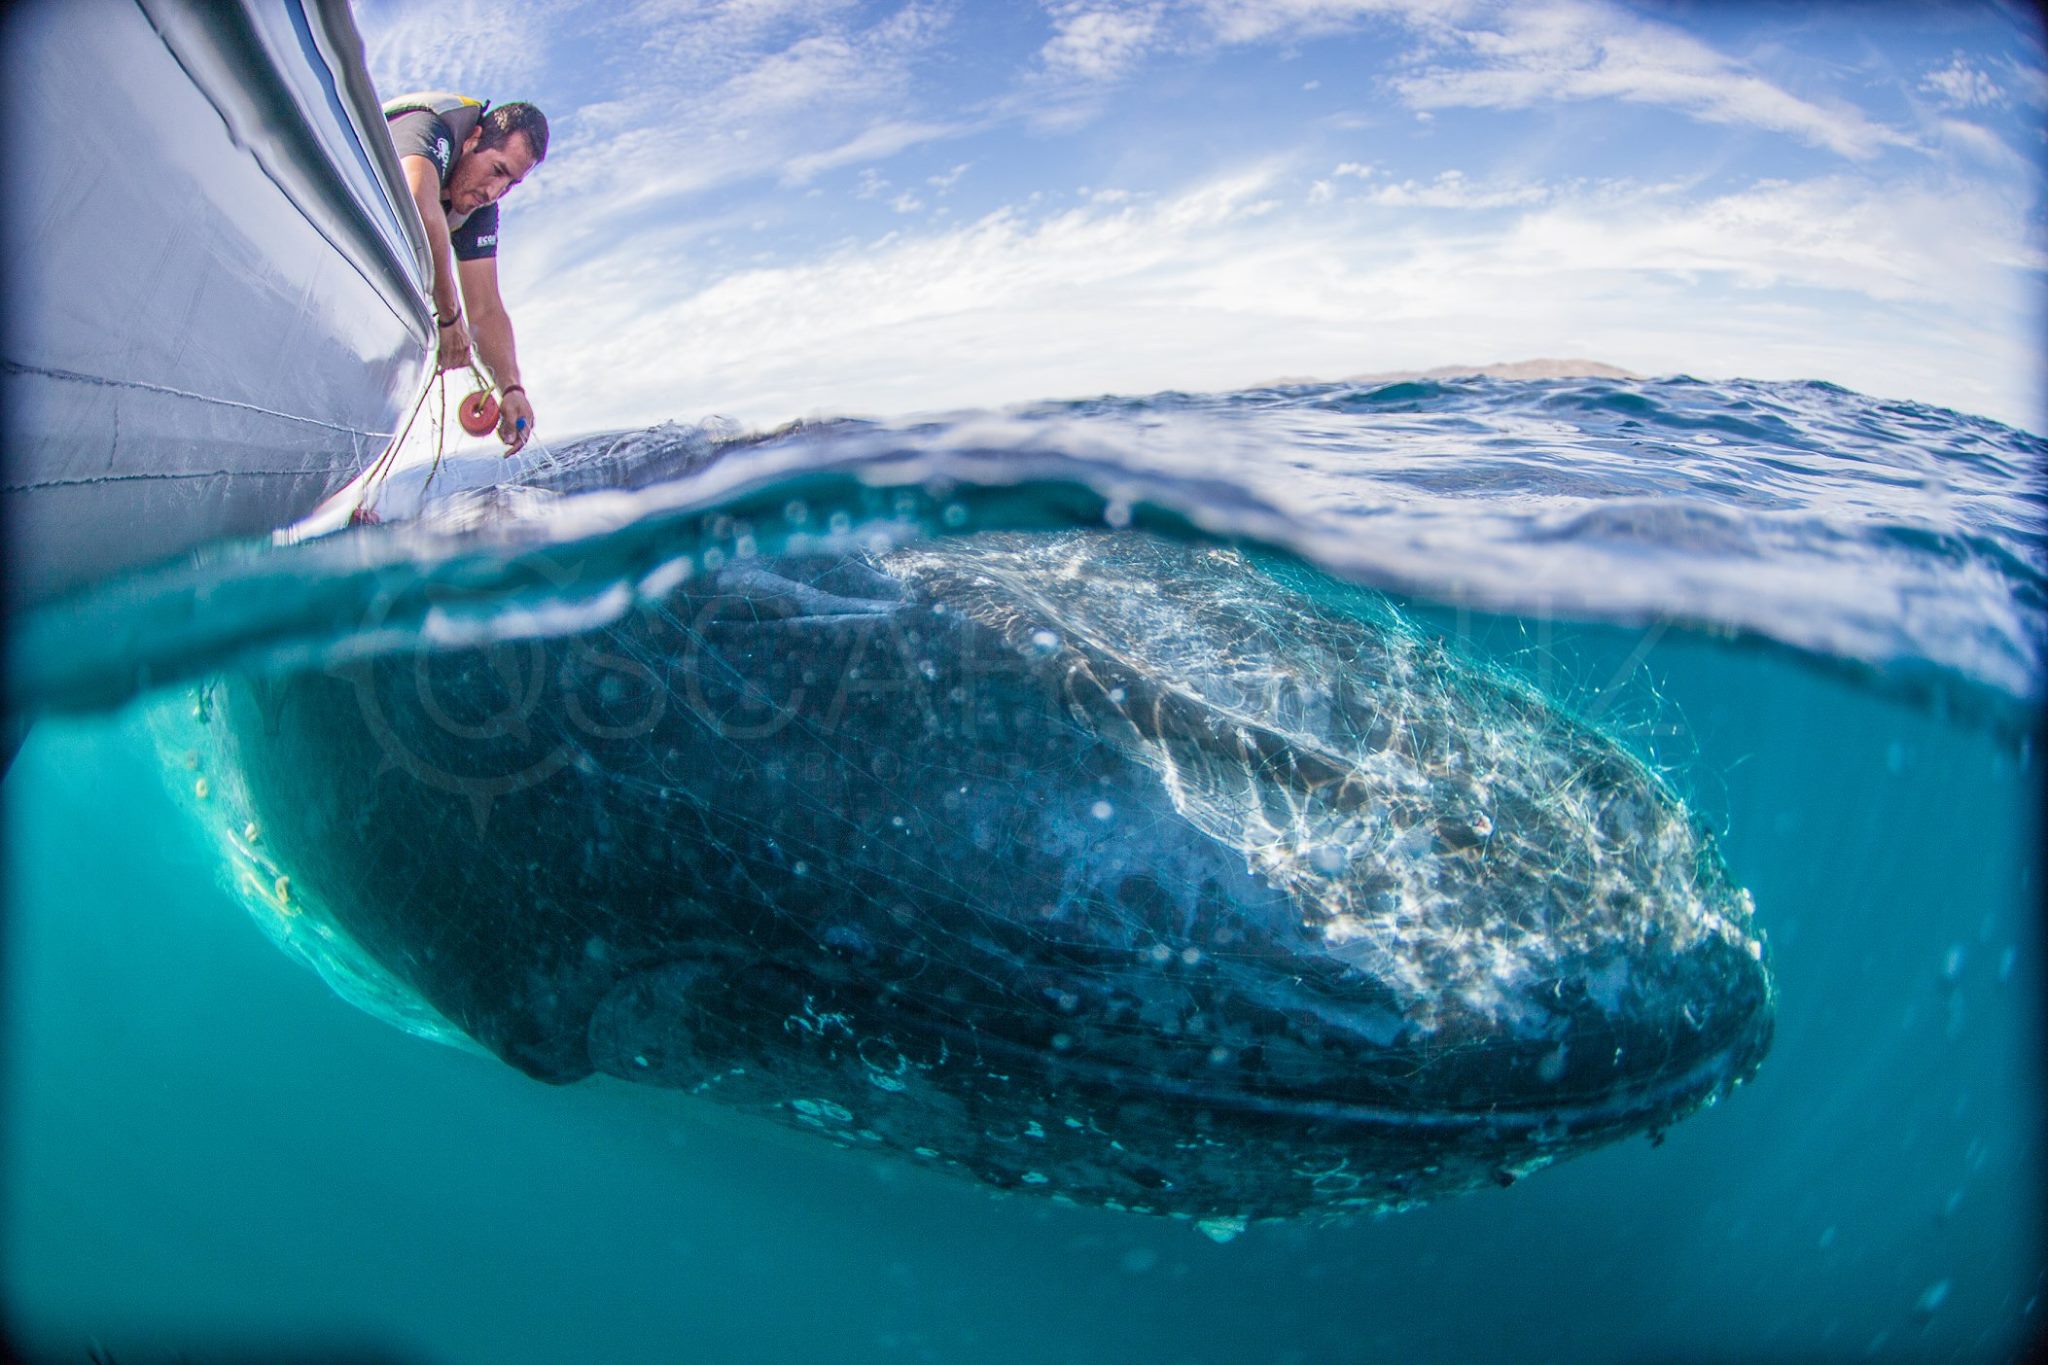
(1097, 864)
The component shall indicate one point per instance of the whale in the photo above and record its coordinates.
(1127, 869)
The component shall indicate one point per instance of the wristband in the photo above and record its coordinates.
(452, 321)
(511, 389)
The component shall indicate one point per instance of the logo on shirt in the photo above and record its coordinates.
(441, 151)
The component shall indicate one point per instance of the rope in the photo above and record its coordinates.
(440, 433)
(373, 482)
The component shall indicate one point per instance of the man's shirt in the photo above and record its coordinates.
(433, 125)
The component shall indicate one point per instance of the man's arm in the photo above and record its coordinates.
(494, 343)
(423, 178)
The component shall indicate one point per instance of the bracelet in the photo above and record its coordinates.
(511, 389)
(452, 321)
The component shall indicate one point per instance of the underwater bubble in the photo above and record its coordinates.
(1329, 859)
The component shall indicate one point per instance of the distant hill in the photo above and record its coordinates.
(1544, 368)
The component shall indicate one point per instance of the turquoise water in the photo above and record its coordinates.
(1824, 627)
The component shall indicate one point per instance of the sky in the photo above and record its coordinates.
(767, 209)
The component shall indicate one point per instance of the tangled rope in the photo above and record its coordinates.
(380, 471)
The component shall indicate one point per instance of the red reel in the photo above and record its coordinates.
(479, 413)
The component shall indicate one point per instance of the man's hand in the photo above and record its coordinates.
(513, 411)
(495, 347)
(455, 345)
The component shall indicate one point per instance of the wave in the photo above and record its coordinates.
(1901, 541)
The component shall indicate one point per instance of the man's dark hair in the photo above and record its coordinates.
(517, 117)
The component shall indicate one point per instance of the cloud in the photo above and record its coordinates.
(1252, 21)
(642, 281)
(472, 47)
(1098, 43)
(704, 99)
(2026, 82)
(1927, 243)
(1914, 289)
(1959, 85)
(1067, 84)
(1451, 190)
(810, 72)
(712, 41)
(1984, 145)
(1580, 50)
(827, 64)
(877, 142)
(1516, 54)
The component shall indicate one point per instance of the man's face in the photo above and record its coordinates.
(481, 178)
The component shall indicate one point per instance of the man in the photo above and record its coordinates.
(460, 156)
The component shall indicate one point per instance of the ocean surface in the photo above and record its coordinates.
(1820, 618)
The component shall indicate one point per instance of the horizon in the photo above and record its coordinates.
(774, 209)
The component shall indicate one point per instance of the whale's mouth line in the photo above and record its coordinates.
(1654, 1098)
(1668, 1097)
